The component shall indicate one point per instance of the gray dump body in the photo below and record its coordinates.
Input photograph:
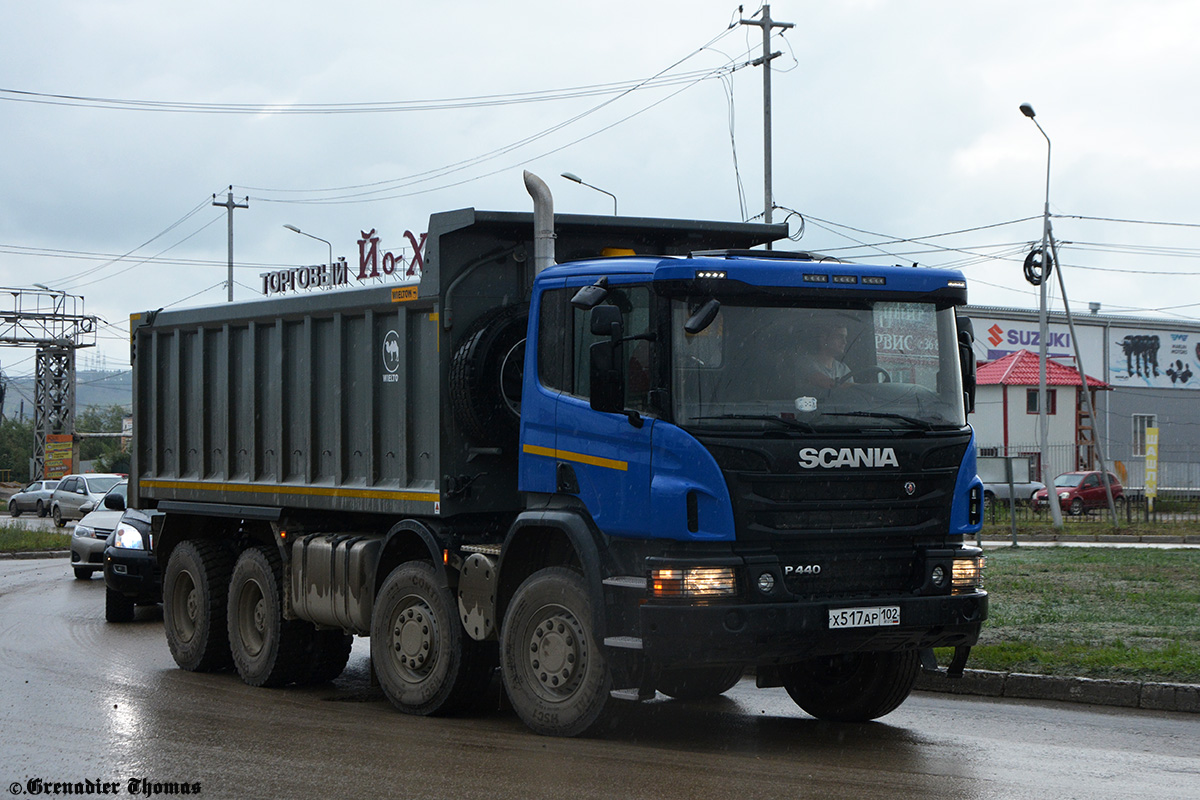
(338, 400)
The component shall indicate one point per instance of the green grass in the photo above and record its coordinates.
(14, 538)
(1093, 612)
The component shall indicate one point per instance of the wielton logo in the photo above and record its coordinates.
(997, 335)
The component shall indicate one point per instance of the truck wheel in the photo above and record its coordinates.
(425, 662)
(267, 649)
(554, 670)
(117, 607)
(327, 656)
(854, 687)
(486, 372)
(195, 590)
(699, 683)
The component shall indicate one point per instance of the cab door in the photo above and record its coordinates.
(604, 458)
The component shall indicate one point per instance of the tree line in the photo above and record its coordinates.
(17, 441)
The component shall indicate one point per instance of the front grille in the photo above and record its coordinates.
(862, 570)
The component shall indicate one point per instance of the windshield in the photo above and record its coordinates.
(100, 485)
(780, 368)
(1068, 481)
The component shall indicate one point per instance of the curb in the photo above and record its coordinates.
(37, 554)
(1181, 697)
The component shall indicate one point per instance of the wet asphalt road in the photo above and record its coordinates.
(81, 700)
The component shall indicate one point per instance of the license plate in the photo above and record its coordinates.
(873, 617)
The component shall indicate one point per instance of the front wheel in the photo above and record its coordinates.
(195, 591)
(554, 670)
(1076, 507)
(12, 509)
(117, 607)
(699, 683)
(83, 573)
(425, 662)
(853, 687)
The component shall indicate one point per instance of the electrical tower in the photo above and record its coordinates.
(54, 323)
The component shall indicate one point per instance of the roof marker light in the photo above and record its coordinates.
(957, 284)
(811, 278)
(845, 279)
(874, 280)
(702, 274)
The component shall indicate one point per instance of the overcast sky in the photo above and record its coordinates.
(894, 120)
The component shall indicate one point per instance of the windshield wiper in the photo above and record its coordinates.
(913, 421)
(794, 424)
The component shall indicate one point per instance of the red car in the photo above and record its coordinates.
(1081, 491)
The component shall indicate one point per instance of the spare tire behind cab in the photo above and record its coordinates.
(486, 372)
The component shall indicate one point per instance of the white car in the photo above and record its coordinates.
(76, 495)
(91, 534)
(1023, 491)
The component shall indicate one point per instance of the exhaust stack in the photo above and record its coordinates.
(543, 221)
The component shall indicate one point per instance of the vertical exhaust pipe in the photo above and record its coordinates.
(543, 221)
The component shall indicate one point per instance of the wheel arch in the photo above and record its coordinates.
(410, 540)
(546, 539)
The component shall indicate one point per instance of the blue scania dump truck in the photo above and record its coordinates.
(646, 469)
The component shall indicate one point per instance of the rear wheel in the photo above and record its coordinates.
(853, 687)
(58, 517)
(267, 650)
(41, 508)
(699, 683)
(117, 607)
(195, 592)
(425, 661)
(327, 656)
(554, 670)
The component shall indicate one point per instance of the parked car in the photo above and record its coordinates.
(34, 497)
(90, 534)
(1023, 491)
(76, 495)
(1082, 491)
(131, 574)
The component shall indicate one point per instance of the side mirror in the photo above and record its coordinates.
(114, 502)
(591, 296)
(703, 317)
(606, 376)
(606, 321)
(966, 356)
(87, 507)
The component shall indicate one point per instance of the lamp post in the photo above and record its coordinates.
(294, 229)
(571, 176)
(1044, 336)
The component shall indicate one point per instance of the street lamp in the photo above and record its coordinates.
(294, 229)
(1044, 335)
(571, 176)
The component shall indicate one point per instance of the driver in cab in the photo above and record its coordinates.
(823, 366)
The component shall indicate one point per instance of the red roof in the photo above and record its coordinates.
(1021, 369)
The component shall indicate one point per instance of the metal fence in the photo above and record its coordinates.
(1178, 466)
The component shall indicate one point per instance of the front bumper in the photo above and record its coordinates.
(779, 633)
(133, 573)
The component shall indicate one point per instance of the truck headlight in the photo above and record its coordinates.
(128, 537)
(696, 582)
(967, 574)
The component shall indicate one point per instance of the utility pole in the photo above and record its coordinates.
(231, 205)
(766, 23)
